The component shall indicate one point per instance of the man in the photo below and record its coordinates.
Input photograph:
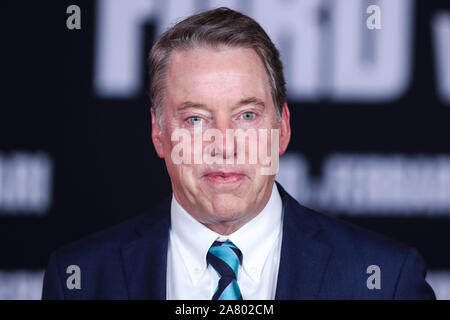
(229, 231)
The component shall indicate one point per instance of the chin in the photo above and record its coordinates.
(230, 209)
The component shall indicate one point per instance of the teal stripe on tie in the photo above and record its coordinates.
(229, 244)
(227, 255)
(232, 292)
(225, 258)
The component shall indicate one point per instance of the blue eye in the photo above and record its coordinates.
(248, 116)
(195, 120)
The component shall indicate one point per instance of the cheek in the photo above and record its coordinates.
(185, 174)
(258, 185)
(266, 144)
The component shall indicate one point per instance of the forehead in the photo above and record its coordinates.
(216, 73)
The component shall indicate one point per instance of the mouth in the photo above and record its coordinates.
(224, 177)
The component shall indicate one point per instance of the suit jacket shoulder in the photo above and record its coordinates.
(111, 261)
(353, 263)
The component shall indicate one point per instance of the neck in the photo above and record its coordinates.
(226, 228)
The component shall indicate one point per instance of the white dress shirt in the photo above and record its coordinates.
(190, 277)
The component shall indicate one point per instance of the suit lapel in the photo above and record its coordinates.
(304, 256)
(145, 257)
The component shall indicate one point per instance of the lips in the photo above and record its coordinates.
(224, 177)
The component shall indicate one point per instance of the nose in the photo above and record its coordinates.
(226, 148)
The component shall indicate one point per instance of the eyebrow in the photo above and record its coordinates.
(251, 100)
(243, 102)
(189, 104)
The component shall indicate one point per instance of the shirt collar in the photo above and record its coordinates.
(255, 239)
(192, 238)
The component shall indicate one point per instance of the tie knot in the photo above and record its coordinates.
(225, 258)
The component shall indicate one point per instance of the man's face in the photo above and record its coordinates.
(220, 89)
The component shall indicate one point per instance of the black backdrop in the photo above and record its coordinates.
(104, 168)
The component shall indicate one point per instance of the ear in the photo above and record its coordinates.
(156, 134)
(285, 129)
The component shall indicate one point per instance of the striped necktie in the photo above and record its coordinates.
(225, 258)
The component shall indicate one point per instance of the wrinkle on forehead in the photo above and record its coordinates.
(215, 74)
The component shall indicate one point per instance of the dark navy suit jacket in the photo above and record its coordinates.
(321, 258)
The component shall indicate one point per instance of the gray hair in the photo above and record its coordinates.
(217, 27)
